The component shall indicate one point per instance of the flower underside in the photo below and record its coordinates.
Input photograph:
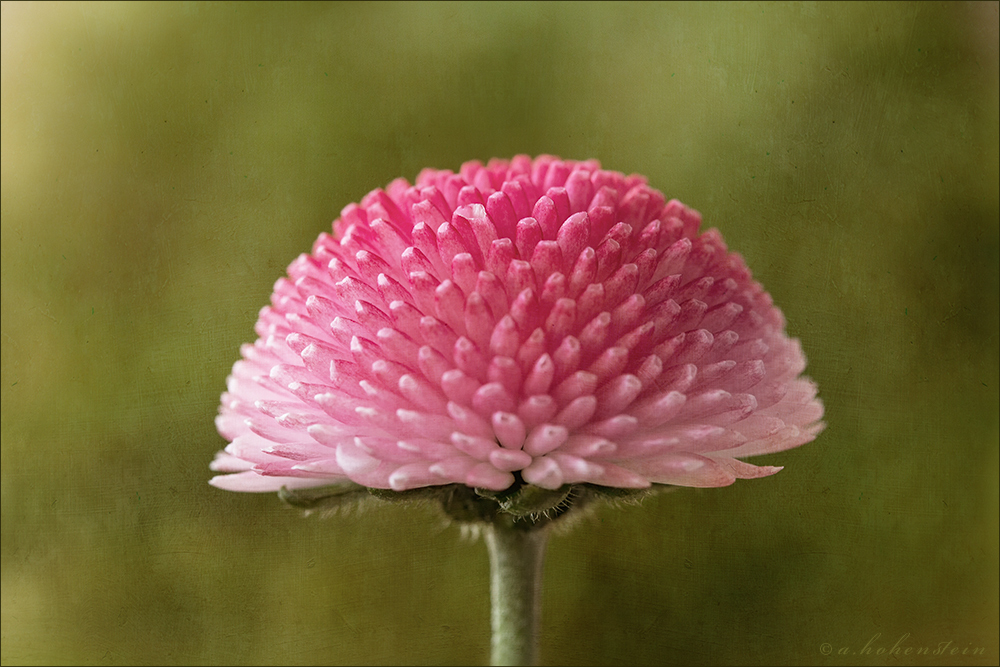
(540, 323)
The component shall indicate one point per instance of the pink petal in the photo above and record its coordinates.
(535, 315)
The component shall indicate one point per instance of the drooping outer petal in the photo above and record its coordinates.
(539, 317)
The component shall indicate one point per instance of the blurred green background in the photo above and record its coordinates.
(164, 163)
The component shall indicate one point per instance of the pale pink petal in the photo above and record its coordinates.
(253, 482)
(224, 462)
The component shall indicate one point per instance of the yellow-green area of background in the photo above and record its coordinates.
(163, 163)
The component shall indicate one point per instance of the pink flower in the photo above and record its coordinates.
(544, 318)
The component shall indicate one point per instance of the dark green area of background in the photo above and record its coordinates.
(163, 164)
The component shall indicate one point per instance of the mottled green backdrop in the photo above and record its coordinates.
(163, 163)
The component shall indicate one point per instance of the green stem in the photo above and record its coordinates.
(516, 558)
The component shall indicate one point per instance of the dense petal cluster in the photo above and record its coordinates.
(539, 317)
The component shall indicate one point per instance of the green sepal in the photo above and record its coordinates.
(522, 506)
(324, 497)
(534, 501)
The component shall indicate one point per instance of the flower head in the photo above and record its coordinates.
(544, 319)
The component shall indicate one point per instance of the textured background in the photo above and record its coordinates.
(163, 163)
